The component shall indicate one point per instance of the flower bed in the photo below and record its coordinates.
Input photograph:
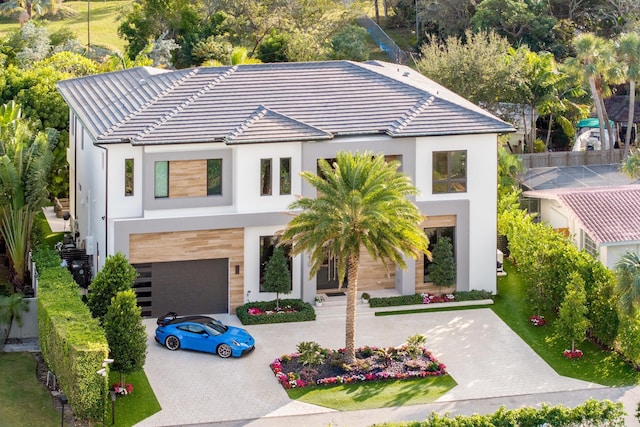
(122, 389)
(262, 312)
(537, 320)
(575, 354)
(372, 364)
(414, 299)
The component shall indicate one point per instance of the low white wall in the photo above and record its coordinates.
(29, 327)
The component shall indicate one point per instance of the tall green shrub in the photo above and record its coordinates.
(126, 334)
(443, 266)
(116, 275)
(276, 276)
(572, 318)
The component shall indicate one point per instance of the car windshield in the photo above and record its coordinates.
(215, 328)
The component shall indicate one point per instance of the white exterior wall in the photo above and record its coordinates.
(252, 267)
(247, 176)
(481, 194)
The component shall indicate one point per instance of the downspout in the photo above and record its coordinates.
(106, 201)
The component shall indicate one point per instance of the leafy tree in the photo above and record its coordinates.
(116, 275)
(572, 317)
(509, 166)
(630, 165)
(629, 337)
(11, 308)
(628, 271)
(31, 42)
(351, 43)
(480, 69)
(521, 22)
(276, 276)
(361, 203)
(273, 48)
(628, 50)
(29, 8)
(24, 164)
(446, 18)
(443, 265)
(161, 50)
(125, 333)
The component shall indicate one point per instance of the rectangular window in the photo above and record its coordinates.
(214, 177)
(128, 177)
(265, 177)
(161, 179)
(449, 172)
(267, 245)
(589, 245)
(433, 234)
(285, 175)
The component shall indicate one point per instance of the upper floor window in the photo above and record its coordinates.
(161, 179)
(128, 177)
(265, 177)
(285, 175)
(214, 177)
(449, 171)
(589, 245)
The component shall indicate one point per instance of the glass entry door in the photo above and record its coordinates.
(327, 277)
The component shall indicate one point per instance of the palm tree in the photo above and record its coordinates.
(24, 167)
(361, 204)
(628, 48)
(11, 308)
(595, 56)
(628, 271)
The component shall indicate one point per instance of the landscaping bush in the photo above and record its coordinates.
(591, 413)
(474, 295)
(291, 310)
(313, 365)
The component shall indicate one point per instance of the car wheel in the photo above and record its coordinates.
(224, 351)
(172, 343)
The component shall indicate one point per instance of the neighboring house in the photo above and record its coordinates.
(596, 206)
(189, 173)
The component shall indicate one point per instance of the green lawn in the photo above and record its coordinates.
(103, 24)
(25, 402)
(135, 407)
(598, 366)
(378, 394)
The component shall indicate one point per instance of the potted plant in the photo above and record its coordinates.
(319, 299)
(365, 297)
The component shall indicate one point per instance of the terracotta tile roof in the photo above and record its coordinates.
(608, 214)
(270, 102)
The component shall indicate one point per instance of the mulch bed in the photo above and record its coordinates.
(372, 364)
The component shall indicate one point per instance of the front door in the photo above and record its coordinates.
(327, 277)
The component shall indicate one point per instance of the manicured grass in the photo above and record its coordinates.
(431, 310)
(50, 238)
(24, 402)
(103, 23)
(378, 394)
(135, 407)
(598, 366)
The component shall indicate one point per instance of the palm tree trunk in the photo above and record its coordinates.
(376, 6)
(350, 324)
(632, 104)
(549, 130)
(596, 101)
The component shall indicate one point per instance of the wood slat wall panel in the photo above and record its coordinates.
(195, 245)
(372, 275)
(188, 178)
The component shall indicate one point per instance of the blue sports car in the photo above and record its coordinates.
(202, 333)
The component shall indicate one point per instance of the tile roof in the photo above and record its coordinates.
(574, 176)
(608, 214)
(270, 102)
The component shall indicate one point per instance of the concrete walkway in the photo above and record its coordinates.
(490, 363)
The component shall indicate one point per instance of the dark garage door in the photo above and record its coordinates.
(188, 287)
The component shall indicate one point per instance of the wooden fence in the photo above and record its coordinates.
(569, 158)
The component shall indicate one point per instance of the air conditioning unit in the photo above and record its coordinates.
(88, 245)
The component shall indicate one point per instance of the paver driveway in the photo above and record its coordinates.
(484, 356)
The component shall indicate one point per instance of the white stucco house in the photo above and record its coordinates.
(189, 173)
(600, 220)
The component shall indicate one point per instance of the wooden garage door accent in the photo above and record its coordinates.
(195, 245)
(188, 178)
(190, 287)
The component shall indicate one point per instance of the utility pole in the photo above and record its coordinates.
(88, 28)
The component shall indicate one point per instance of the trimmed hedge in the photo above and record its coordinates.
(591, 413)
(71, 341)
(305, 312)
(417, 298)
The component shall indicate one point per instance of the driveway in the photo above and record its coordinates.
(486, 358)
